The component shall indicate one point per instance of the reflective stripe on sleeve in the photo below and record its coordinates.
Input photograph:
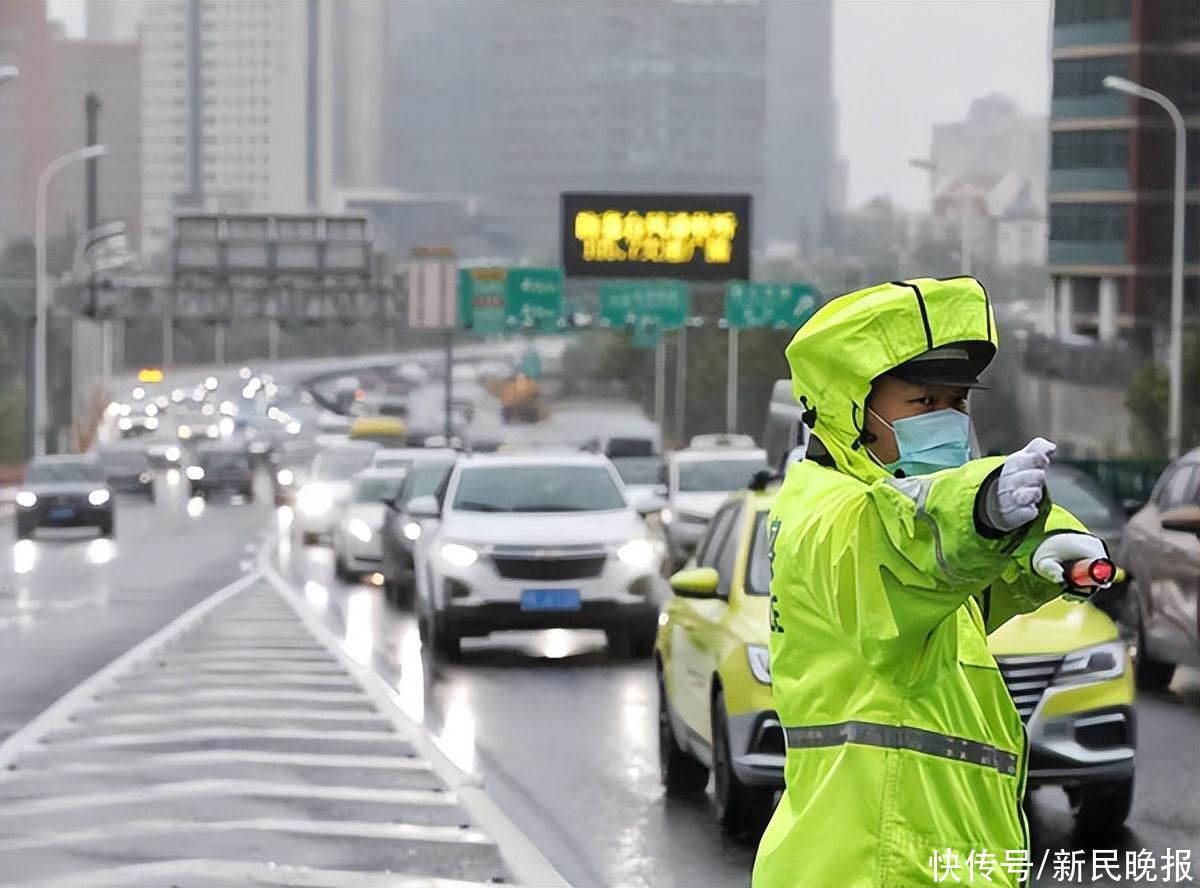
(894, 737)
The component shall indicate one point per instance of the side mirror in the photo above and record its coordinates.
(423, 507)
(1185, 519)
(1132, 506)
(649, 505)
(699, 582)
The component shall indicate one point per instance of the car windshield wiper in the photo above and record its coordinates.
(480, 507)
(548, 508)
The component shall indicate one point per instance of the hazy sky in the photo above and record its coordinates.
(899, 67)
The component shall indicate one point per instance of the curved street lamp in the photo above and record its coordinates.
(1175, 359)
(43, 288)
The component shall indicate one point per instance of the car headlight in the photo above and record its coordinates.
(195, 473)
(1097, 663)
(125, 423)
(759, 656)
(666, 516)
(459, 555)
(637, 553)
(185, 432)
(412, 531)
(171, 454)
(285, 477)
(293, 428)
(152, 424)
(26, 499)
(98, 497)
(145, 477)
(358, 529)
(313, 501)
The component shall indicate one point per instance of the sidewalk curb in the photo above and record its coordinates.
(60, 711)
(529, 866)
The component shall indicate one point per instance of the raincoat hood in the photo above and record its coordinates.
(855, 338)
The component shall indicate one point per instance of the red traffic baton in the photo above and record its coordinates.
(1091, 572)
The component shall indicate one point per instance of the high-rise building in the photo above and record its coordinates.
(1112, 168)
(513, 103)
(113, 19)
(43, 113)
(242, 102)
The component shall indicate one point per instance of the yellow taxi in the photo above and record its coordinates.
(387, 431)
(1068, 671)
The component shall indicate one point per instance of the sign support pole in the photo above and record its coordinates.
(660, 383)
(680, 381)
(731, 383)
(273, 339)
(168, 338)
(449, 383)
(219, 343)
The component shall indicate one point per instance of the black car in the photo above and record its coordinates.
(128, 470)
(221, 469)
(400, 532)
(65, 491)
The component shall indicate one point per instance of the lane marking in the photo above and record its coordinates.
(219, 713)
(151, 681)
(237, 872)
(293, 667)
(218, 733)
(153, 761)
(354, 829)
(254, 788)
(526, 861)
(80, 696)
(132, 700)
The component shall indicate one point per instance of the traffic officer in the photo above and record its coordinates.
(894, 554)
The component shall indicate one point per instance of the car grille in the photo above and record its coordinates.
(62, 499)
(1027, 679)
(549, 564)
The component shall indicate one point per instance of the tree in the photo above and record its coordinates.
(1147, 398)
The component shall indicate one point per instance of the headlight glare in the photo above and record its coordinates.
(459, 555)
(98, 497)
(759, 656)
(637, 553)
(26, 499)
(195, 473)
(358, 529)
(412, 531)
(285, 477)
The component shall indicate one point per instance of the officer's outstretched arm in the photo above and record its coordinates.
(1020, 590)
(924, 536)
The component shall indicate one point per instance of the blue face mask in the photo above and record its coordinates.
(930, 442)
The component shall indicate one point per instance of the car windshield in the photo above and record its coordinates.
(639, 471)
(64, 472)
(543, 488)
(224, 461)
(718, 475)
(123, 459)
(1082, 497)
(341, 464)
(376, 490)
(424, 481)
(758, 575)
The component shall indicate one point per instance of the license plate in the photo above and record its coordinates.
(62, 512)
(550, 600)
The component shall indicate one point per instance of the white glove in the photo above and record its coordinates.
(1013, 499)
(1059, 548)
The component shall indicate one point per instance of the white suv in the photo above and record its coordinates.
(698, 481)
(538, 541)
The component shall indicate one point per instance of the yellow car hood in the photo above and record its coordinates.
(1057, 627)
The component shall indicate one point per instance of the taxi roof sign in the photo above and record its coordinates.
(150, 374)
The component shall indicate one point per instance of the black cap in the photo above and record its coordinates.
(954, 365)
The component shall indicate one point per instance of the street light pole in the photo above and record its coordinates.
(43, 288)
(1175, 359)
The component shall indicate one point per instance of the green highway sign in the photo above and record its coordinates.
(481, 300)
(663, 304)
(783, 306)
(533, 299)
